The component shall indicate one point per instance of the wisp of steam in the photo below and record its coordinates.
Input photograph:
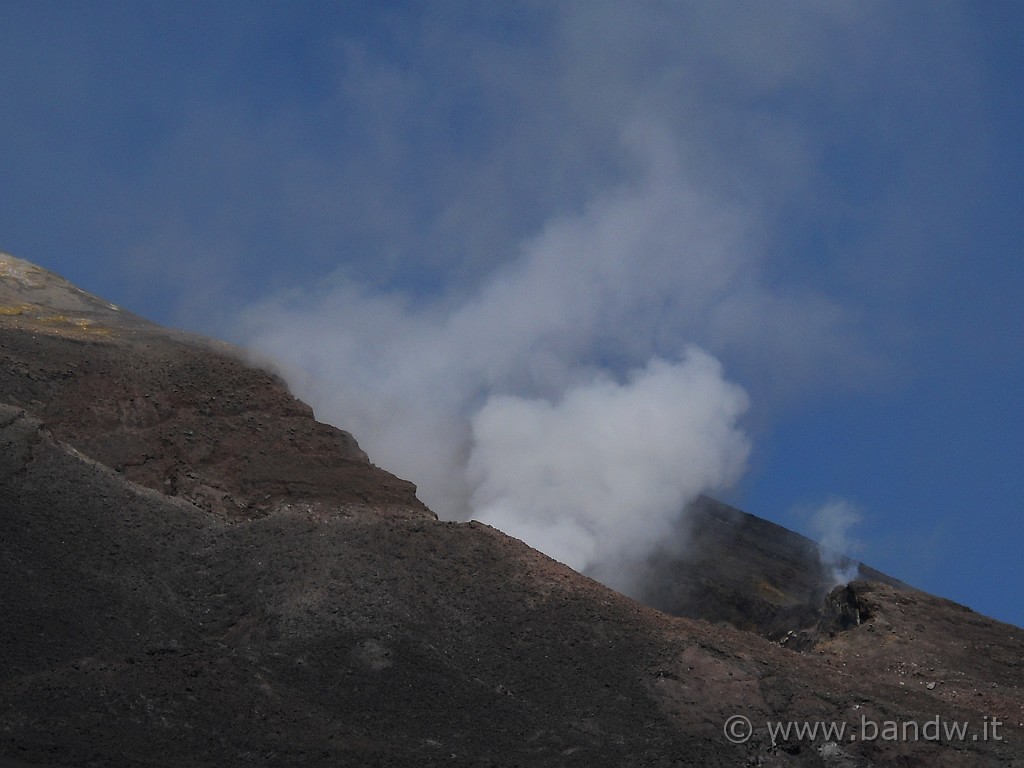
(831, 524)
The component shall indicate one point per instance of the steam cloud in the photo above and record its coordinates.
(598, 475)
(561, 399)
(561, 222)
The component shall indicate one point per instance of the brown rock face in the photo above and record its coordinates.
(194, 572)
(180, 414)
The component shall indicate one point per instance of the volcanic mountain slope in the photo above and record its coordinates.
(193, 571)
(738, 568)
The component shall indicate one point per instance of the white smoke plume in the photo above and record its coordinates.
(831, 524)
(560, 400)
(599, 475)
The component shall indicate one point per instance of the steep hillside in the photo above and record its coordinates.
(195, 572)
(749, 572)
(177, 413)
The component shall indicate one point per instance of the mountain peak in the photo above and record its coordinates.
(23, 283)
(37, 298)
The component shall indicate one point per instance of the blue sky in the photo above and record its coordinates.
(472, 218)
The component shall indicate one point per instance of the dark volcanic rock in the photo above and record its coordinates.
(171, 598)
(734, 567)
